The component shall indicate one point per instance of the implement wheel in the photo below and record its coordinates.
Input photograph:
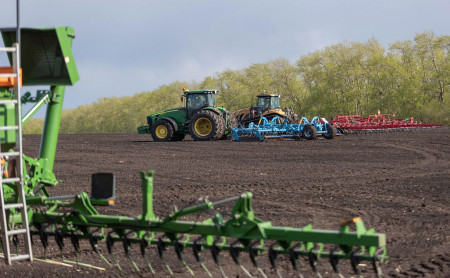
(331, 131)
(309, 132)
(162, 131)
(206, 125)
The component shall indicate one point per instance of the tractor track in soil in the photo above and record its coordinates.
(398, 182)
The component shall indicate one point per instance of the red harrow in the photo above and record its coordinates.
(355, 123)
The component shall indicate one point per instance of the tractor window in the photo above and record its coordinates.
(263, 104)
(198, 101)
(275, 103)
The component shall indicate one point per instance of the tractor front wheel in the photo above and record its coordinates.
(162, 131)
(206, 125)
(309, 132)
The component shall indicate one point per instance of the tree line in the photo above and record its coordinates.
(409, 79)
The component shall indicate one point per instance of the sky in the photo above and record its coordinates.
(126, 47)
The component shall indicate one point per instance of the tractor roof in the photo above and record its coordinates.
(206, 91)
(268, 95)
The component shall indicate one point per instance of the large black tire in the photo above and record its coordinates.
(178, 137)
(162, 131)
(331, 131)
(232, 122)
(309, 132)
(206, 125)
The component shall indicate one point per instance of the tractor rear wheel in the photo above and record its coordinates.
(206, 125)
(162, 131)
(309, 132)
(331, 131)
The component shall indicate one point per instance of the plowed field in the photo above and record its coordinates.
(398, 182)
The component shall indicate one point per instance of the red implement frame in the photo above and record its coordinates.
(377, 121)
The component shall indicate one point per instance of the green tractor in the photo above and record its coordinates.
(200, 118)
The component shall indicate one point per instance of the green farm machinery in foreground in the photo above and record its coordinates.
(200, 118)
(28, 210)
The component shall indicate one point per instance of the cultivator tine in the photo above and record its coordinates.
(312, 257)
(355, 260)
(75, 240)
(161, 245)
(94, 244)
(179, 251)
(59, 238)
(293, 257)
(215, 250)
(377, 267)
(253, 252)
(334, 261)
(234, 252)
(109, 246)
(44, 238)
(144, 245)
(15, 240)
(197, 248)
(273, 259)
(126, 247)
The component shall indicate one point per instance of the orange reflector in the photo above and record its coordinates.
(2, 161)
(9, 81)
(110, 202)
(354, 220)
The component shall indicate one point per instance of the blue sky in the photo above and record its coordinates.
(127, 47)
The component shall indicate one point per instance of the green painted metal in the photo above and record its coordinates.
(49, 140)
(46, 55)
(7, 118)
(242, 231)
(46, 59)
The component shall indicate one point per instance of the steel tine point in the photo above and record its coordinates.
(196, 249)
(377, 267)
(262, 272)
(109, 247)
(355, 260)
(246, 271)
(179, 250)
(215, 250)
(134, 263)
(234, 252)
(144, 244)
(313, 262)
(161, 245)
(273, 260)
(334, 260)
(273, 257)
(221, 271)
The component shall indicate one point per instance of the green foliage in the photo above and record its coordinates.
(33, 126)
(410, 79)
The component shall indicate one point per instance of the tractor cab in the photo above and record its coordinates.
(199, 99)
(267, 102)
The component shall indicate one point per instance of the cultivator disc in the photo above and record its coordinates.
(69, 219)
(276, 129)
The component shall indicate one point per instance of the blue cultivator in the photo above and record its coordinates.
(275, 129)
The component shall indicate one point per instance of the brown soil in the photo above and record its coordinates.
(398, 182)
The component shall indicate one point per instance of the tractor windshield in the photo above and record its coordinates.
(198, 101)
(268, 102)
(274, 102)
